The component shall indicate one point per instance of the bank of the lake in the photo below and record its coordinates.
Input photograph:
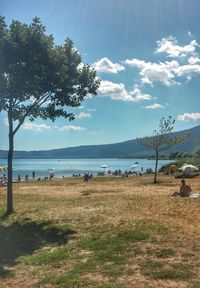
(68, 167)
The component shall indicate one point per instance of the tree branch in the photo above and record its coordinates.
(37, 104)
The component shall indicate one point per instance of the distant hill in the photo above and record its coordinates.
(127, 149)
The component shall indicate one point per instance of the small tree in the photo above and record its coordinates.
(38, 79)
(161, 139)
(197, 149)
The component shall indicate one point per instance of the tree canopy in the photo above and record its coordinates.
(37, 77)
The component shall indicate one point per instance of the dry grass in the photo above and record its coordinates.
(107, 233)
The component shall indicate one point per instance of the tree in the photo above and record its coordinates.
(161, 139)
(38, 79)
(197, 149)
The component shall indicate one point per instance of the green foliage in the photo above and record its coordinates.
(39, 78)
(161, 139)
(174, 155)
(197, 149)
(179, 162)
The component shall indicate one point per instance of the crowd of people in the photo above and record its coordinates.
(184, 190)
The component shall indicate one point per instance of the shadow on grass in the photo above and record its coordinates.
(23, 238)
(4, 216)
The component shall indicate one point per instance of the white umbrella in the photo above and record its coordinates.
(188, 167)
(104, 166)
(134, 166)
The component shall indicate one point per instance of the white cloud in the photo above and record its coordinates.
(172, 49)
(155, 72)
(193, 60)
(165, 72)
(30, 126)
(69, 128)
(117, 91)
(138, 96)
(107, 66)
(36, 127)
(189, 117)
(137, 63)
(187, 70)
(83, 115)
(154, 106)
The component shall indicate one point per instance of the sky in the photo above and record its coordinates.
(146, 53)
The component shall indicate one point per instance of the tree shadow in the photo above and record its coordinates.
(23, 238)
(4, 216)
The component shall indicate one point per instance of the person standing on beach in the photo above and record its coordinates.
(33, 174)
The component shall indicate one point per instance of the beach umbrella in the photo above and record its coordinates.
(134, 166)
(188, 167)
(2, 169)
(104, 166)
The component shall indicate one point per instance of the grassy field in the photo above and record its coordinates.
(107, 233)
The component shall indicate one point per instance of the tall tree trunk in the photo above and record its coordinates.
(156, 167)
(10, 160)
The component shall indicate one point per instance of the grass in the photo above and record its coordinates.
(107, 233)
(48, 257)
(162, 270)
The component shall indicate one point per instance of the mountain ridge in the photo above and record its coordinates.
(125, 149)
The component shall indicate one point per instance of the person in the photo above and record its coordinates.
(33, 174)
(86, 177)
(184, 191)
(2, 183)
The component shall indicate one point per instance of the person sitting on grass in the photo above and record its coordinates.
(184, 191)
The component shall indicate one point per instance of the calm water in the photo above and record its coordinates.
(68, 167)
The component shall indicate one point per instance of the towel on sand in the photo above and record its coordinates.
(194, 196)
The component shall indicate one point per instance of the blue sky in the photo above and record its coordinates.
(147, 53)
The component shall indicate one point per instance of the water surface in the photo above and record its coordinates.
(68, 167)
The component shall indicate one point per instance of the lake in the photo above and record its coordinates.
(68, 167)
